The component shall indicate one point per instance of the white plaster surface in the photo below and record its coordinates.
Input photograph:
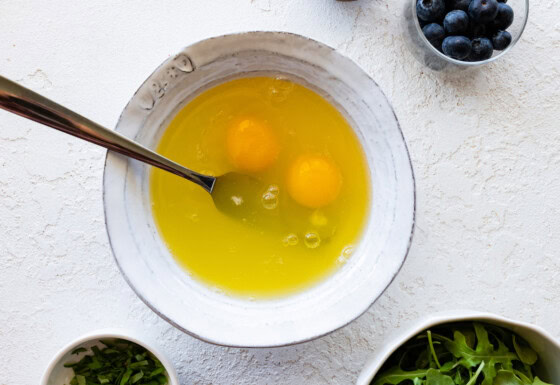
(485, 147)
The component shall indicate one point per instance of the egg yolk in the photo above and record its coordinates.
(252, 146)
(314, 181)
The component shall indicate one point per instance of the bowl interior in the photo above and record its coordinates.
(216, 317)
(545, 345)
(60, 374)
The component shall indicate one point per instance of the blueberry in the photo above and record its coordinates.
(435, 34)
(483, 11)
(456, 22)
(477, 30)
(482, 49)
(500, 40)
(430, 10)
(457, 47)
(504, 18)
(463, 5)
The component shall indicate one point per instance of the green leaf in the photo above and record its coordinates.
(157, 371)
(418, 381)
(435, 377)
(95, 364)
(138, 364)
(79, 350)
(432, 350)
(461, 354)
(506, 377)
(396, 375)
(526, 354)
(115, 365)
(476, 374)
(524, 378)
(136, 377)
(470, 338)
(126, 377)
(538, 381)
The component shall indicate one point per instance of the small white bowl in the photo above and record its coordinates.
(57, 374)
(543, 343)
(167, 288)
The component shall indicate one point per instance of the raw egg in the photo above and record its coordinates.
(314, 181)
(306, 216)
(251, 144)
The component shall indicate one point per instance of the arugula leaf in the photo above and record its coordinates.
(526, 354)
(505, 377)
(538, 381)
(396, 375)
(462, 354)
(435, 377)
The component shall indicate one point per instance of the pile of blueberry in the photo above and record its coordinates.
(468, 30)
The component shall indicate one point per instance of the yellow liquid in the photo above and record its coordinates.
(276, 259)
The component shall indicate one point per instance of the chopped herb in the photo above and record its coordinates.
(118, 362)
(79, 350)
(462, 354)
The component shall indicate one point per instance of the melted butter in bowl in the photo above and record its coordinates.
(315, 187)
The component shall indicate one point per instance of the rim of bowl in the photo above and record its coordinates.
(461, 63)
(371, 368)
(340, 325)
(111, 333)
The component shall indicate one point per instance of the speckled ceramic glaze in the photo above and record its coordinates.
(543, 343)
(146, 262)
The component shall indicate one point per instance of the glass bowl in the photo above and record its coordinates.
(214, 316)
(430, 56)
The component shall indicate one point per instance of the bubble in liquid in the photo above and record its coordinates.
(348, 251)
(274, 189)
(269, 201)
(200, 155)
(279, 89)
(195, 218)
(318, 219)
(290, 240)
(312, 240)
(270, 197)
(237, 200)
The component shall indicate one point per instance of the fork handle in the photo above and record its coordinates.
(24, 102)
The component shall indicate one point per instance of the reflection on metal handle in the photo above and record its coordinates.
(24, 102)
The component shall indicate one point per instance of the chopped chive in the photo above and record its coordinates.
(135, 378)
(79, 350)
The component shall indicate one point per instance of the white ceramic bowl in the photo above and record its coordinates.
(170, 291)
(543, 343)
(57, 374)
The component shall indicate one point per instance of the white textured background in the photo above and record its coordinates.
(485, 146)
